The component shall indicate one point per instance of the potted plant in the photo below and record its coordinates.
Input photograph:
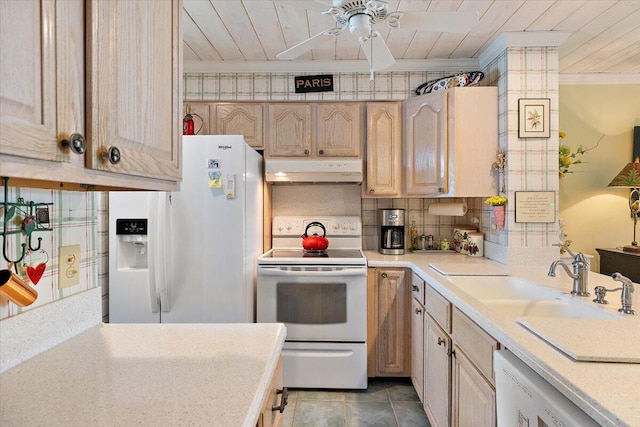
(497, 206)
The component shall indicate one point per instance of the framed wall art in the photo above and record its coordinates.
(533, 118)
(535, 206)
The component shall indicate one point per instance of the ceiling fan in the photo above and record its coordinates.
(361, 16)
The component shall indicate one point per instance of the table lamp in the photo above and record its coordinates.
(629, 177)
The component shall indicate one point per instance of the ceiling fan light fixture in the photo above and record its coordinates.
(360, 25)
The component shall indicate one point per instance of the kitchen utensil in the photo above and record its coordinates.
(315, 242)
(15, 289)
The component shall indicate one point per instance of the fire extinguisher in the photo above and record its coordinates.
(188, 127)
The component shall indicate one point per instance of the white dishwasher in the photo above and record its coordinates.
(525, 399)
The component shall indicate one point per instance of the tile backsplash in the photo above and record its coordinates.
(74, 219)
(416, 210)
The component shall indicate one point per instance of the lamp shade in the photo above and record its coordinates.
(628, 177)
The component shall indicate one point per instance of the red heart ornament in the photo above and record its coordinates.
(36, 273)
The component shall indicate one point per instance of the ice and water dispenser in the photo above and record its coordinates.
(132, 243)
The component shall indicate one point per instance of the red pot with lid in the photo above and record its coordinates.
(315, 242)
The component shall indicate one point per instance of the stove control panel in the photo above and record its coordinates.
(334, 225)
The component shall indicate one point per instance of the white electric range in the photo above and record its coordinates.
(321, 297)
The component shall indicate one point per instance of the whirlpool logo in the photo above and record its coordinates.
(224, 147)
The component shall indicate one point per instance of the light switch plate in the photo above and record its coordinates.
(68, 266)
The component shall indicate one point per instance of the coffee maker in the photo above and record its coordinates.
(391, 232)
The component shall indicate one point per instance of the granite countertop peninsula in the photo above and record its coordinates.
(146, 374)
(608, 392)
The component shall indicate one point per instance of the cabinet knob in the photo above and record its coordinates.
(112, 155)
(418, 310)
(440, 190)
(415, 288)
(306, 152)
(441, 341)
(321, 152)
(76, 143)
(371, 191)
(383, 275)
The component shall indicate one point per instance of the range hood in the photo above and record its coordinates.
(313, 170)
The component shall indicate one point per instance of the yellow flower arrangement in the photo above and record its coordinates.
(496, 201)
(566, 158)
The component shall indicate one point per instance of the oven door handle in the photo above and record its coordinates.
(278, 271)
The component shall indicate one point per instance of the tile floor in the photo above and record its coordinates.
(385, 403)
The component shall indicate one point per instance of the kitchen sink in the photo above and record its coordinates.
(515, 297)
(559, 307)
(502, 288)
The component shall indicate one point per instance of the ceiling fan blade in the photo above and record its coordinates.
(445, 22)
(307, 45)
(377, 52)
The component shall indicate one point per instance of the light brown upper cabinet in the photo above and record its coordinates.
(314, 130)
(339, 129)
(289, 130)
(90, 94)
(384, 150)
(234, 118)
(450, 143)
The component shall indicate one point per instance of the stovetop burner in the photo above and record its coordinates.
(312, 253)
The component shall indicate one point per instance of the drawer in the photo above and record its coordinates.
(438, 307)
(417, 288)
(475, 342)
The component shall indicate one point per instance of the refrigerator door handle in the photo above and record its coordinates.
(164, 255)
(153, 248)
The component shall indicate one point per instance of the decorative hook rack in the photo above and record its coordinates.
(30, 224)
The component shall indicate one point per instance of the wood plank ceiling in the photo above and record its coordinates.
(604, 34)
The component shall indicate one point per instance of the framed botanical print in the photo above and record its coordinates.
(533, 118)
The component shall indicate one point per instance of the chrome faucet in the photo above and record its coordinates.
(580, 273)
(625, 296)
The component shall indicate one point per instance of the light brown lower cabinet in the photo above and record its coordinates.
(473, 397)
(437, 373)
(458, 367)
(388, 323)
(275, 402)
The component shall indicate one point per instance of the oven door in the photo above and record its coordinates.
(317, 303)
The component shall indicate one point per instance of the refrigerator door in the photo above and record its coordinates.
(204, 240)
(132, 297)
(214, 230)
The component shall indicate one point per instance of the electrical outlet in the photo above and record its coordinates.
(68, 266)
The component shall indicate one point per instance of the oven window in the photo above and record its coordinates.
(312, 303)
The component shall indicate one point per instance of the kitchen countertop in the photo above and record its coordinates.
(142, 374)
(608, 392)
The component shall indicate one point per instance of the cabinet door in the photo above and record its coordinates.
(394, 337)
(384, 149)
(133, 87)
(201, 112)
(289, 130)
(417, 347)
(240, 119)
(474, 399)
(41, 77)
(339, 129)
(425, 135)
(437, 373)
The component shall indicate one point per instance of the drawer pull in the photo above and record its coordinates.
(283, 401)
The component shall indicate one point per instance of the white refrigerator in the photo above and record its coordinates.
(190, 256)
